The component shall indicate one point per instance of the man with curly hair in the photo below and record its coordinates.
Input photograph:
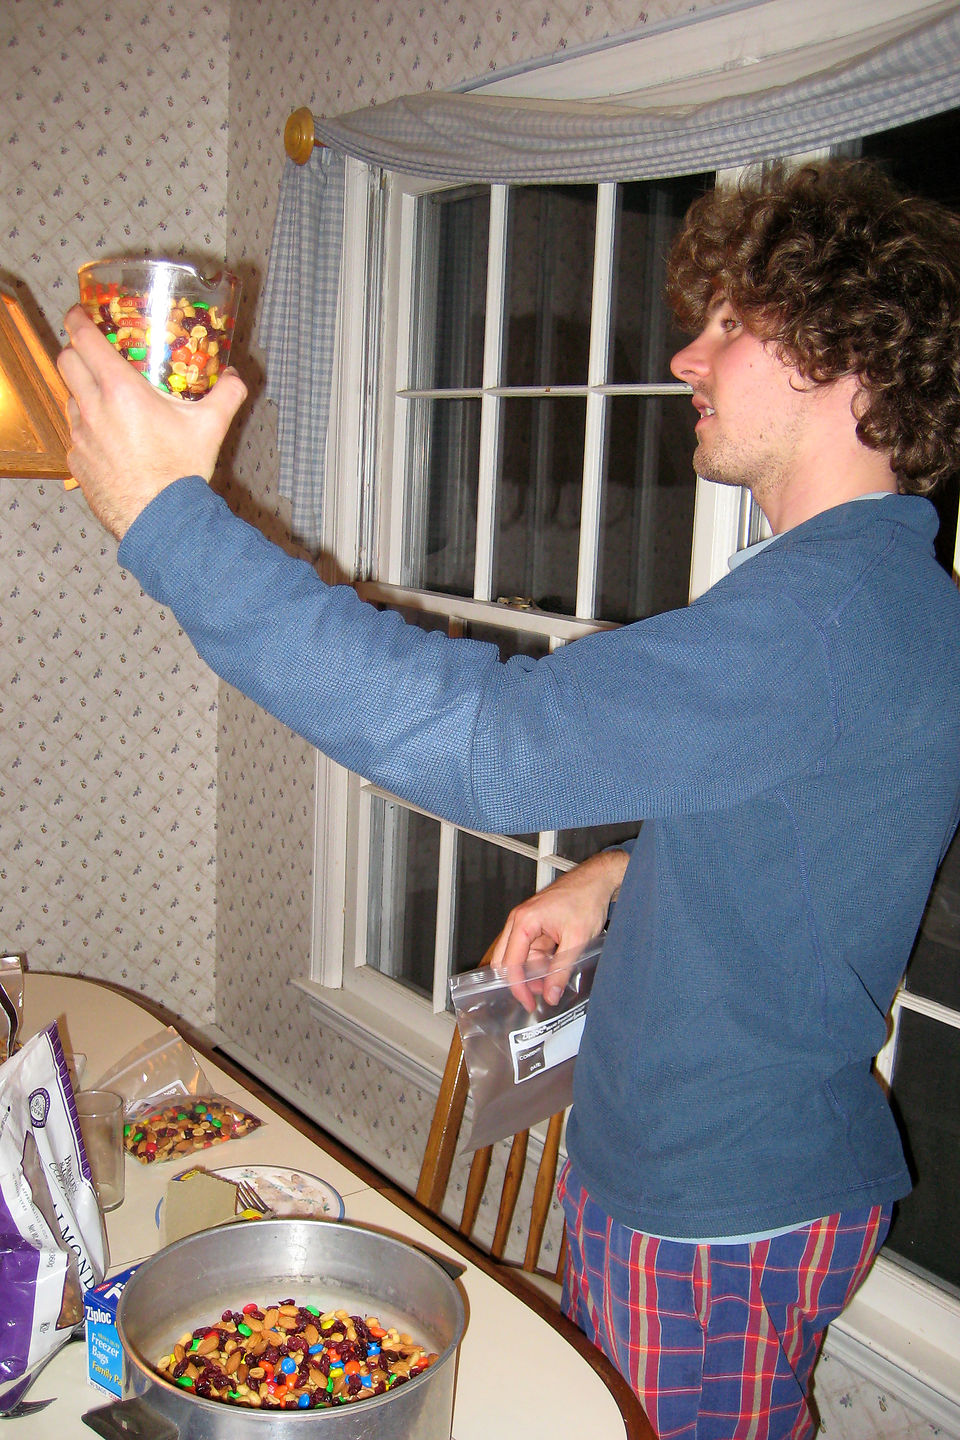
(790, 743)
(825, 371)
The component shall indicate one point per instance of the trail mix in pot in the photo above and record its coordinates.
(288, 1356)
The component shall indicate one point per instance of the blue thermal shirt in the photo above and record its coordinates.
(791, 743)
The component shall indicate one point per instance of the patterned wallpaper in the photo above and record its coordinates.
(114, 139)
(156, 829)
(152, 830)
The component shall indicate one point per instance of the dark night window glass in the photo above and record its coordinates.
(539, 494)
(644, 336)
(647, 511)
(926, 1096)
(550, 284)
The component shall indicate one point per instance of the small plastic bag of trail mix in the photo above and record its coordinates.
(170, 1109)
(180, 1127)
(520, 1064)
(52, 1240)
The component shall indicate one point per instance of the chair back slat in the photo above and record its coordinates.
(543, 1191)
(444, 1129)
(476, 1182)
(512, 1180)
(561, 1258)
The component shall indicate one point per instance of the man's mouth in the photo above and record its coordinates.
(702, 408)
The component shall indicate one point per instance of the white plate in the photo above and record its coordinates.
(286, 1191)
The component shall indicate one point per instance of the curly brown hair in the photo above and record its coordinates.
(847, 275)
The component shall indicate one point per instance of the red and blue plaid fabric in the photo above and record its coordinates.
(718, 1341)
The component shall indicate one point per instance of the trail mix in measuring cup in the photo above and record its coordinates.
(289, 1356)
(186, 360)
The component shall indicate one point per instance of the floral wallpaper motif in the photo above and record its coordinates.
(156, 829)
(852, 1408)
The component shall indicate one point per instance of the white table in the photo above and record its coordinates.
(103, 1023)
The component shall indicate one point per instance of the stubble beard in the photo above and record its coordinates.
(725, 463)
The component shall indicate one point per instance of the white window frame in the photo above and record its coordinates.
(900, 1331)
(378, 252)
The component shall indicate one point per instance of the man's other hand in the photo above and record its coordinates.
(129, 440)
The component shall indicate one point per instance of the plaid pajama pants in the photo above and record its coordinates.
(718, 1341)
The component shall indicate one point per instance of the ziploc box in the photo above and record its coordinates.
(104, 1351)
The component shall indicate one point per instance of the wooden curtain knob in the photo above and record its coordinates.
(298, 136)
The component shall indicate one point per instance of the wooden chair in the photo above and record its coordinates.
(432, 1185)
(439, 1156)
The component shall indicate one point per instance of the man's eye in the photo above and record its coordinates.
(730, 322)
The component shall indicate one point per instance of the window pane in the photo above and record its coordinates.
(441, 538)
(947, 500)
(926, 1092)
(402, 894)
(538, 502)
(921, 156)
(490, 881)
(425, 619)
(550, 258)
(580, 844)
(934, 969)
(926, 1085)
(644, 337)
(647, 512)
(453, 239)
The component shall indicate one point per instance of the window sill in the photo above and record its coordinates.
(386, 1038)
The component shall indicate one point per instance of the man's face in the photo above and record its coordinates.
(755, 410)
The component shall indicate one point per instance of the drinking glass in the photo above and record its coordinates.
(100, 1113)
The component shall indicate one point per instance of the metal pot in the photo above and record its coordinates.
(330, 1264)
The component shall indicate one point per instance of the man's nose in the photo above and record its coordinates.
(690, 362)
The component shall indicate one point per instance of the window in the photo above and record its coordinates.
(534, 455)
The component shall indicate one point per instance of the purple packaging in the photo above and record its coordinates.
(104, 1351)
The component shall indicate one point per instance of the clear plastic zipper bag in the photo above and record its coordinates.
(520, 1064)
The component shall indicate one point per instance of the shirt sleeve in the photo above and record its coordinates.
(686, 711)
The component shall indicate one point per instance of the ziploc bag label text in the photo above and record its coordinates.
(548, 1043)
